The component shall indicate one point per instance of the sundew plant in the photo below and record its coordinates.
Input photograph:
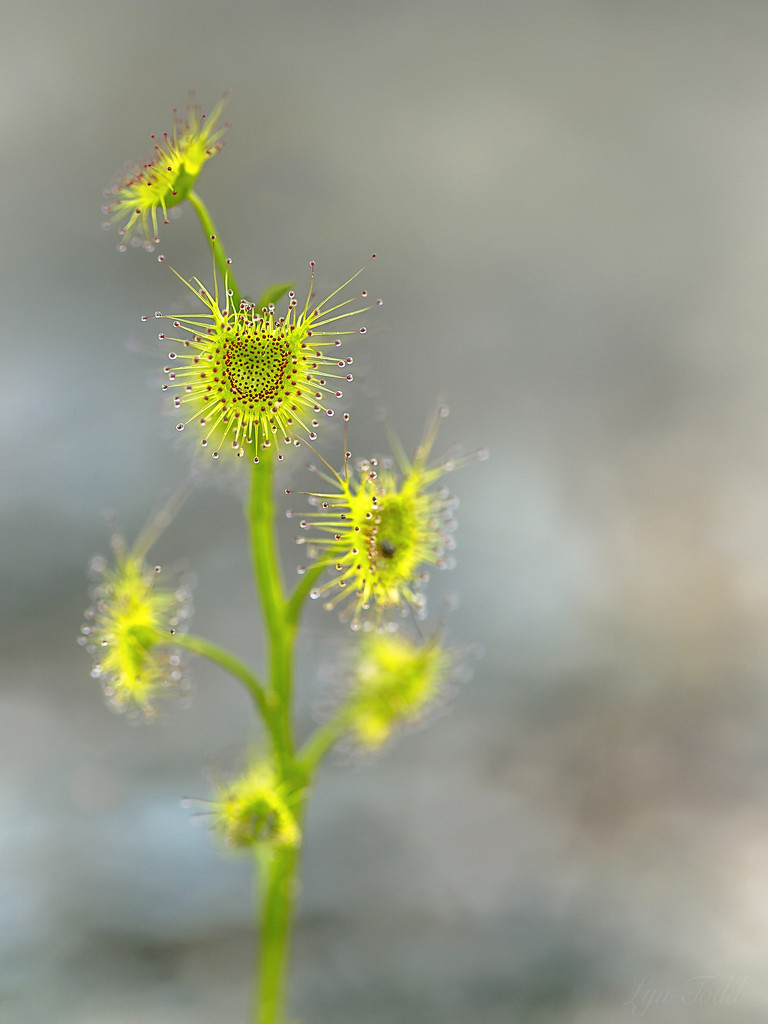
(253, 383)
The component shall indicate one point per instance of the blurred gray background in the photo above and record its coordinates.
(569, 204)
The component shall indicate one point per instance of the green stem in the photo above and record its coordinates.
(279, 869)
(281, 631)
(279, 885)
(301, 593)
(279, 865)
(322, 739)
(223, 658)
(261, 515)
(219, 254)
